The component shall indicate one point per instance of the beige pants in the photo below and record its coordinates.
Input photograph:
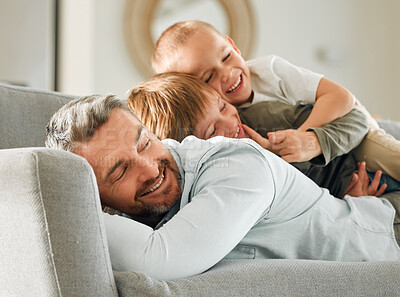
(380, 150)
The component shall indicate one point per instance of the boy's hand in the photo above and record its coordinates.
(257, 137)
(295, 145)
(359, 184)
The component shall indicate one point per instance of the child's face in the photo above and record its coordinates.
(221, 119)
(218, 62)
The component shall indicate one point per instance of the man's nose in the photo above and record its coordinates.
(148, 169)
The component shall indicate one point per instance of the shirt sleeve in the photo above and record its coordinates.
(341, 136)
(274, 78)
(231, 191)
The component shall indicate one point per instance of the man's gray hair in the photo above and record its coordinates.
(77, 121)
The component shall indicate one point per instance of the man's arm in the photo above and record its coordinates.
(230, 192)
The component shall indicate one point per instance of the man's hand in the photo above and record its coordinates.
(359, 183)
(295, 145)
(257, 137)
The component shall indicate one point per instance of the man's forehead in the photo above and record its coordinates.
(120, 126)
(119, 132)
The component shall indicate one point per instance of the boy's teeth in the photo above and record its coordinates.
(156, 185)
(237, 133)
(236, 84)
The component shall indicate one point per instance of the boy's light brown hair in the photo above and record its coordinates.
(166, 50)
(170, 104)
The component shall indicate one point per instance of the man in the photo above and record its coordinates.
(211, 199)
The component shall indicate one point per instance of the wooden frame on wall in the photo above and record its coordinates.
(138, 24)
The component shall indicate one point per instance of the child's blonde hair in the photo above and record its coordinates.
(166, 50)
(170, 104)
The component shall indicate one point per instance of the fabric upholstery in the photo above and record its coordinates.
(53, 242)
(391, 127)
(24, 113)
(240, 278)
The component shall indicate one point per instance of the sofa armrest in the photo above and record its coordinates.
(391, 127)
(53, 241)
(240, 278)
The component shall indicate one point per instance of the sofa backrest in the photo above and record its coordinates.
(24, 113)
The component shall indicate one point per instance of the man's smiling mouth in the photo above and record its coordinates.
(236, 85)
(155, 187)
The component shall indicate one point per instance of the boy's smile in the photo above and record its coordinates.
(221, 119)
(217, 61)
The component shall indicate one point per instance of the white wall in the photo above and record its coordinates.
(76, 62)
(360, 40)
(353, 42)
(27, 39)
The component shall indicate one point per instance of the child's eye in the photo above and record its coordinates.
(223, 106)
(212, 133)
(209, 78)
(224, 59)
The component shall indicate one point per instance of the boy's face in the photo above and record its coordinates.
(218, 62)
(221, 119)
(135, 172)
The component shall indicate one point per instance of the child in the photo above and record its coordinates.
(175, 105)
(197, 48)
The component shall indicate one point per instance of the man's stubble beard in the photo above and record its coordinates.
(163, 207)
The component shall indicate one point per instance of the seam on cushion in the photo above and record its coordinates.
(36, 91)
(100, 219)
(46, 224)
(57, 95)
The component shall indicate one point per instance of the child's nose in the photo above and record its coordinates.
(226, 75)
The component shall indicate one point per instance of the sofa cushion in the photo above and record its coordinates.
(24, 113)
(276, 278)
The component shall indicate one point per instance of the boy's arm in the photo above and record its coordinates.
(332, 102)
(340, 136)
(320, 144)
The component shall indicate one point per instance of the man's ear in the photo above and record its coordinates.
(233, 44)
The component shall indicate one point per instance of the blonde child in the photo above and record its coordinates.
(197, 48)
(175, 105)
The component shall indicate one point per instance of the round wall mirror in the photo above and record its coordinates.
(146, 20)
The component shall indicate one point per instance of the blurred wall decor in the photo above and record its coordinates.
(146, 20)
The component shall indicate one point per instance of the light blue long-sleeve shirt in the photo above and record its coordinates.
(241, 201)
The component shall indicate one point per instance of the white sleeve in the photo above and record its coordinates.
(276, 78)
(227, 202)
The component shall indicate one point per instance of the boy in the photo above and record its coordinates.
(197, 48)
(175, 105)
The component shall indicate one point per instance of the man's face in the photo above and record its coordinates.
(218, 62)
(135, 172)
(220, 119)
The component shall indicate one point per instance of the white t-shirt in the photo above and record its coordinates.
(275, 79)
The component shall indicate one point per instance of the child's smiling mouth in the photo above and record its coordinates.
(236, 85)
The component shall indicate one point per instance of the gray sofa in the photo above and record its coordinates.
(53, 241)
